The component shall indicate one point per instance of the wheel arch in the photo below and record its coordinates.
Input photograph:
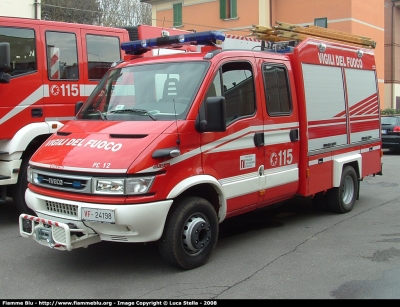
(27, 135)
(204, 186)
(354, 160)
(21, 147)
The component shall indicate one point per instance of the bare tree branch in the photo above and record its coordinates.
(76, 11)
(111, 13)
(118, 13)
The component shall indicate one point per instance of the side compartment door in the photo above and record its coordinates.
(327, 124)
(363, 101)
(281, 131)
(235, 157)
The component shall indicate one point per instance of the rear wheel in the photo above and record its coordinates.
(190, 233)
(342, 199)
(18, 190)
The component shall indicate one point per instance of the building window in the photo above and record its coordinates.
(321, 22)
(177, 14)
(228, 9)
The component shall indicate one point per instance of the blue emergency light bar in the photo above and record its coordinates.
(201, 38)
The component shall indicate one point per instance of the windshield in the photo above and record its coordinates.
(163, 91)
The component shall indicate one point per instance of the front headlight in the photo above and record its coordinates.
(118, 186)
(29, 174)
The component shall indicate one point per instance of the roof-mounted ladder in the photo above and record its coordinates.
(285, 31)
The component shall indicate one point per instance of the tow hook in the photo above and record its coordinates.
(51, 244)
(45, 234)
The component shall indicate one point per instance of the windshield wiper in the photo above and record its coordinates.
(135, 111)
(101, 115)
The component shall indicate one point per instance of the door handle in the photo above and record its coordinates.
(259, 139)
(294, 135)
(37, 112)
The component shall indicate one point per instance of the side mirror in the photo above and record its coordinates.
(213, 118)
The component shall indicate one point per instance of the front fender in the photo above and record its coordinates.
(202, 179)
(27, 133)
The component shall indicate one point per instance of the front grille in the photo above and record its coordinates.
(77, 184)
(65, 209)
(64, 182)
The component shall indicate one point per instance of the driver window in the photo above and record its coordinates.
(238, 90)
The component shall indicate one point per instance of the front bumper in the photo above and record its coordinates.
(55, 234)
(59, 222)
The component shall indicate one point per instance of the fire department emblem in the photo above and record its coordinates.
(273, 159)
(55, 90)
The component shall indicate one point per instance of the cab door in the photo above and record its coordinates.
(236, 156)
(21, 100)
(280, 178)
(63, 71)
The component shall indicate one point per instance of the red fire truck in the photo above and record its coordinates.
(45, 69)
(167, 147)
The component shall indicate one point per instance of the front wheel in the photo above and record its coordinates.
(342, 199)
(190, 233)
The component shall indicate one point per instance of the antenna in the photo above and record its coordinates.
(162, 33)
(178, 141)
(162, 28)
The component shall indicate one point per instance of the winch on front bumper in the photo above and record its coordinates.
(55, 235)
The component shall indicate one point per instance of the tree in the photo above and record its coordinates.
(76, 11)
(111, 13)
(118, 13)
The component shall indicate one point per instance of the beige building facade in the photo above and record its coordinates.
(21, 8)
(377, 19)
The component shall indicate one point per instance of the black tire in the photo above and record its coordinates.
(342, 199)
(319, 202)
(18, 190)
(190, 233)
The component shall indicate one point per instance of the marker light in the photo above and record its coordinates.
(200, 38)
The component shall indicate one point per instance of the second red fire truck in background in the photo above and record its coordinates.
(51, 66)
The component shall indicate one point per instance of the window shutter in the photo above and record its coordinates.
(222, 9)
(177, 14)
(234, 8)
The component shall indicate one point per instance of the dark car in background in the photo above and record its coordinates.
(390, 126)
